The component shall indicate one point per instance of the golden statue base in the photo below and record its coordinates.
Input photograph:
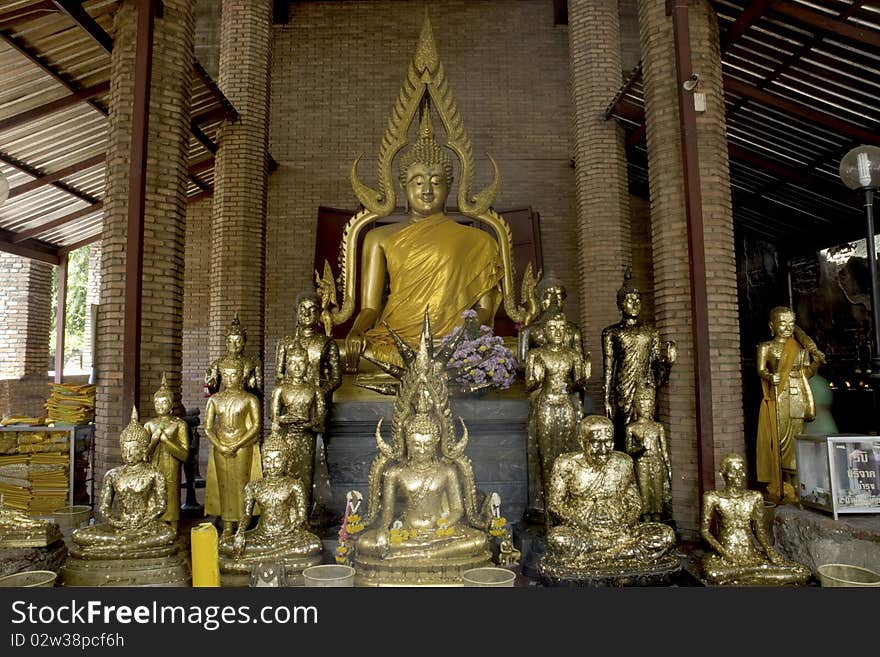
(30, 537)
(370, 571)
(237, 573)
(567, 572)
(171, 570)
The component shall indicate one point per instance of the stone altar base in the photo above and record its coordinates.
(170, 570)
(496, 424)
(407, 572)
(17, 559)
(813, 538)
(663, 573)
(237, 574)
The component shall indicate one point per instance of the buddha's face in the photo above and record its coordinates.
(297, 366)
(600, 444)
(307, 313)
(632, 304)
(162, 405)
(421, 445)
(133, 451)
(273, 462)
(554, 331)
(426, 188)
(645, 405)
(734, 473)
(553, 297)
(235, 344)
(232, 376)
(782, 324)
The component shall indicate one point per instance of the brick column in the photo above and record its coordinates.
(25, 309)
(669, 234)
(603, 215)
(238, 230)
(164, 220)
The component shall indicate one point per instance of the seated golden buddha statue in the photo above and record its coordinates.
(132, 545)
(424, 527)
(280, 535)
(742, 551)
(593, 494)
(428, 260)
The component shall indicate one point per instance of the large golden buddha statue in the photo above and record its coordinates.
(593, 495)
(132, 546)
(424, 527)
(742, 554)
(281, 534)
(430, 260)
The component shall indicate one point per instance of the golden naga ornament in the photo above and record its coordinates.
(436, 532)
(131, 546)
(426, 178)
(742, 554)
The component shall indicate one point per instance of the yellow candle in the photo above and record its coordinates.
(205, 567)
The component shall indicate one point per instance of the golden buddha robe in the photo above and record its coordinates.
(434, 263)
(794, 398)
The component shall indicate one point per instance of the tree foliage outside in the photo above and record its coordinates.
(77, 310)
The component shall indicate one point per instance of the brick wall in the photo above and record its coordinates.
(164, 219)
(196, 355)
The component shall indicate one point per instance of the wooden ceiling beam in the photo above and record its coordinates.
(50, 178)
(27, 234)
(843, 29)
(36, 173)
(26, 13)
(33, 249)
(749, 16)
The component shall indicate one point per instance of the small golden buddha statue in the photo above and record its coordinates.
(645, 442)
(298, 414)
(281, 534)
(424, 527)
(232, 424)
(168, 449)
(742, 551)
(131, 545)
(252, 370)
(551, 299)
(633, 358)
(785, 365)
(555, 372)
(323, 353)
(19, 530)
(594, 496)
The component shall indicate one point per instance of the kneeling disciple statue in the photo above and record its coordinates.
(738, 560)
(280, 535)
(593, 493)
(422, 510)
(132, 546)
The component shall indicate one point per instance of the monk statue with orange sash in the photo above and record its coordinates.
(785, 365)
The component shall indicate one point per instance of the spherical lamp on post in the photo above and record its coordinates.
(860, 169)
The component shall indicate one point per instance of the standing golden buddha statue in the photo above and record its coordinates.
(555, 372)
(785, 365)
(323, 352)
(252, 370)
(232, 424)
(424, 526)
(298, 413)
(594, 496)
(428, 260)
(131, 546)
(632, 357)
(645, 442)
(280, 535)
(742, 554)
(168, 449)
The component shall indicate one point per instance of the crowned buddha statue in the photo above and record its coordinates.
(741, 550)
(554, 372)
(594, 497)
(423, 526)
(130, 545)
(429, 259)
(280, 535)
(252, 369)
(633, 358)
(168, 448)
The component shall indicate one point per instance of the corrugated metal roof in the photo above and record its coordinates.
(802, 84)
(53, 124)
